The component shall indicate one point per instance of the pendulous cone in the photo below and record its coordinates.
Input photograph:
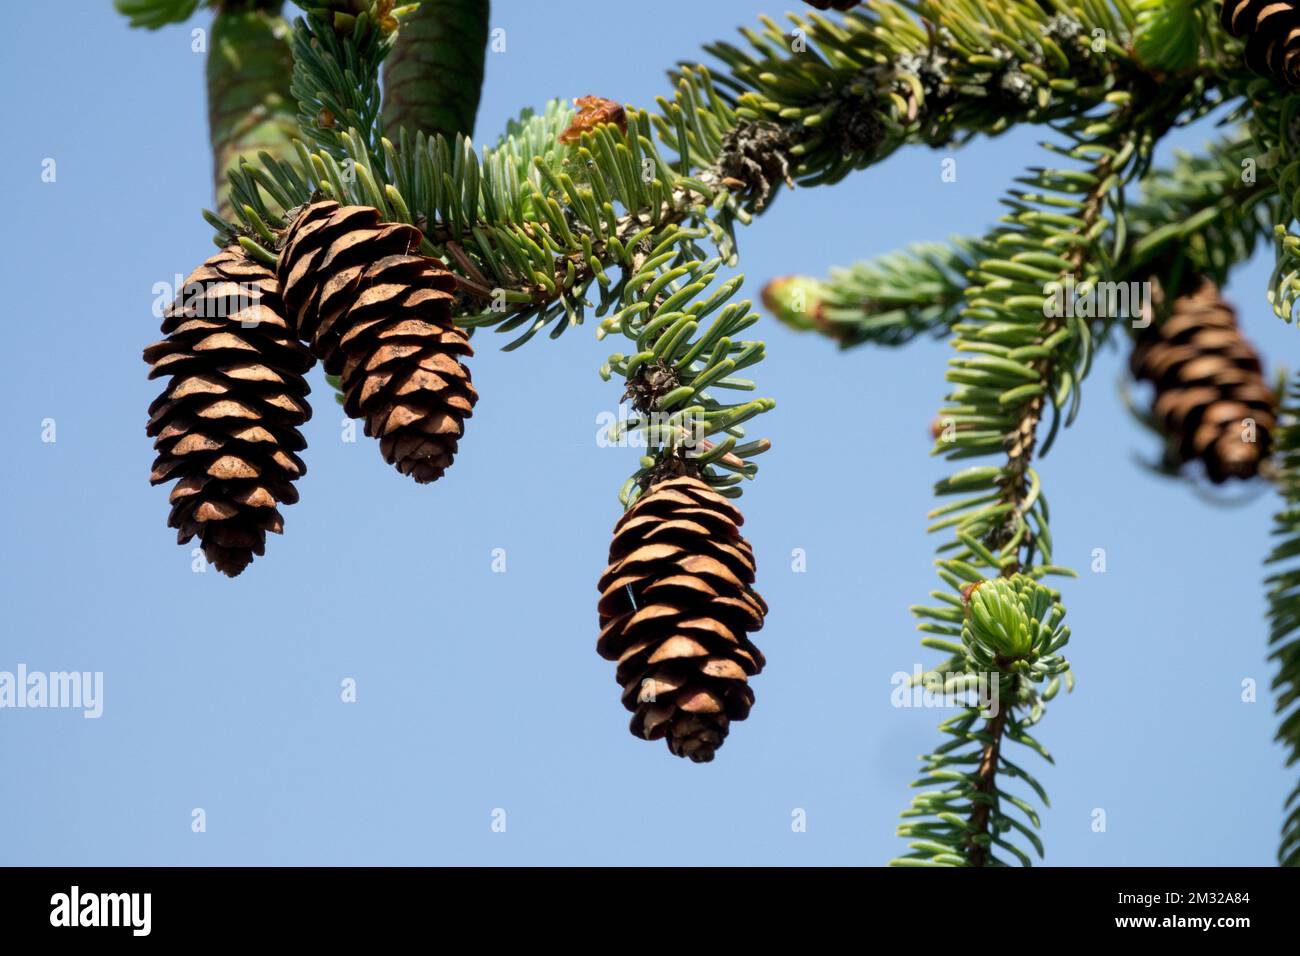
(225, 427)
(1271, 29)
(434, 74)
(1211, 400)
(251, 108)
(378, 314)
(676, 607)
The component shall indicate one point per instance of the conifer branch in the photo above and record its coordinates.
(1017, 358)
(154, 14)
(811, 105)
(336, 60)
(1275, 126)
(1202, 216)
(1008, 533)
(889, 300)
(1284, 614)
(1199, 217)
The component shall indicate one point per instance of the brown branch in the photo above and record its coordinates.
(979, 818)
(1022, 439)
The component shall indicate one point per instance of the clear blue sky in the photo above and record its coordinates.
(479, 690)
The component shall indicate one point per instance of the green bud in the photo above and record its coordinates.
(1168, 34)
(795, 301)
(998, 619)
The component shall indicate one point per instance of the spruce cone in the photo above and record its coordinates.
(1271, 29)
(676, 604)
(433, 76)
(379, 316)
(250, 106)
(1208, 381)
(226, 423)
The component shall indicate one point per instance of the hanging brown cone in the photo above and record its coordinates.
(225, 425)
(1271, 29)
(378, 314)
(676, 606)
(1211, 400)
